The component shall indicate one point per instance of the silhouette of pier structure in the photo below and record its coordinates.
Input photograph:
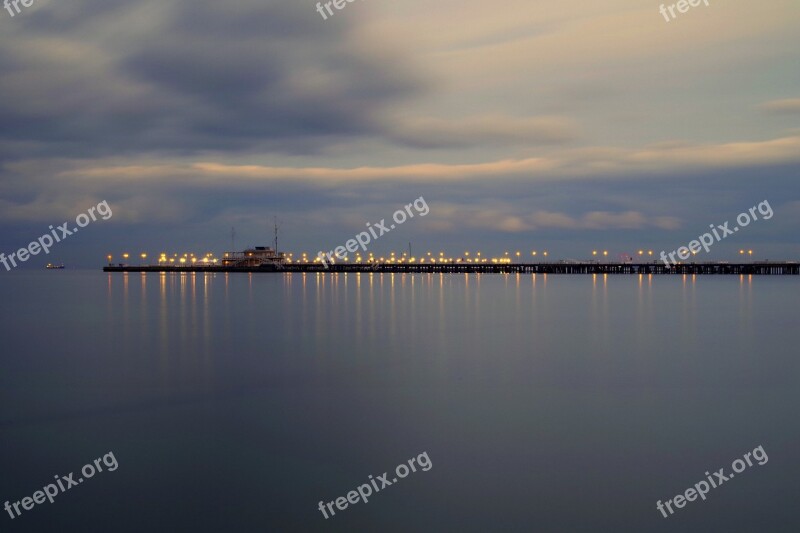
(775, 268)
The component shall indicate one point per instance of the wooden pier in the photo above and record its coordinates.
(774, 268)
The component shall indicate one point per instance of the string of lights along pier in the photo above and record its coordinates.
(266, 259)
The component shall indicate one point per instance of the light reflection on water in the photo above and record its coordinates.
(209, 330)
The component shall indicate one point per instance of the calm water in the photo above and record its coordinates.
(238, 402)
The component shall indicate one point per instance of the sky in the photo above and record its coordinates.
(525, 125)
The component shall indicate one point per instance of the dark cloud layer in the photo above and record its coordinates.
(88, 78)
(192, 116)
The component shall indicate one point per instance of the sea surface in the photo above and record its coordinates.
(238, 402)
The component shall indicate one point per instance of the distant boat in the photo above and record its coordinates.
(51, 266)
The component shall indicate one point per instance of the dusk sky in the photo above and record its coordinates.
(526, 125)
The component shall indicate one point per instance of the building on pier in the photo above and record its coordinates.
(256, 256)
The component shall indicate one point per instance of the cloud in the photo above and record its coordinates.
(781, 107)
(511, 218)
(482, 131)
(88, 78)
(196, 115)
(577, 164)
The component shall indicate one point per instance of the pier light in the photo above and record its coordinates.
(109, 257)
(594, 252)
(545, 253)
(750, 252)
(741, 252)
(171, 259)
(144, 255)
(641, 252)
(183, 259)
(605, 252)
(125, 256)
(649, 252)
(194, 260)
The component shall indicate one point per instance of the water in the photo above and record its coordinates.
(545, 403)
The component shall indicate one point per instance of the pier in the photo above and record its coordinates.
(775, 268)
